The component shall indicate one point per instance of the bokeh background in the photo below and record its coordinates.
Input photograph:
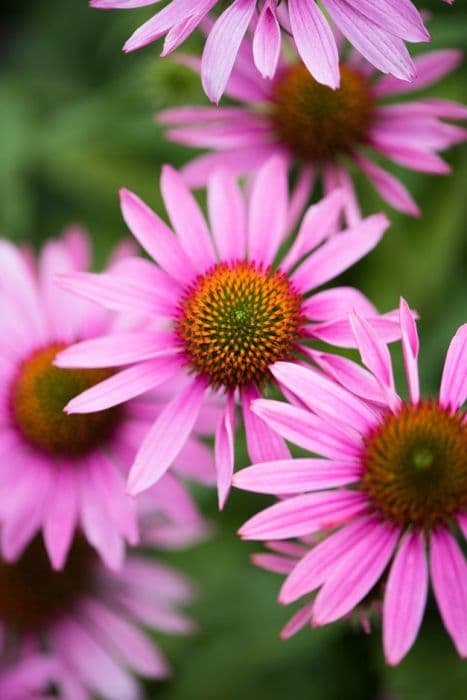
(76, 123)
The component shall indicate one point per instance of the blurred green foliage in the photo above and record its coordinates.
(75, 125)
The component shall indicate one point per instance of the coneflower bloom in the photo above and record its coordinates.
(377, 29)
(66, 472)
(327, 132)
(230, 308)
(88, 619)
(387, 496)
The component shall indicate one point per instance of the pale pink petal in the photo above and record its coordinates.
(315, 41)
(227, 215)
(117, 350)
(273, 562)
(386, 326)
(267, 40)
(267, 213)
(306, 430)
(398, 17)
(356, 574)
(290, 476)
(417, 159)
(449, 577)
(409, 340)
(303, 515)
(263, 443)
(61, 514)
(224, 450)
(156, 237)
(453, 390)
(222, 46)
(187, 219)
(340, 252)
(405, 597)
(351, 375)
(166, 437)
(239, 161)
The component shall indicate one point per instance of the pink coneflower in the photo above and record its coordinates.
(229, 308)
(391, 485)
(377, 29)
(327, 132)
(88, 618)
(67, 472)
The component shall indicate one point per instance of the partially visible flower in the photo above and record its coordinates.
(68, 473)
(387, 497)
(89, 620)
(326, 132)
(377, 29)
(231, 303)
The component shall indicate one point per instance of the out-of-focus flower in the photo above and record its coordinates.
(88, 618)
(387, 495)
(326, 132)
(60, 472)
(376, 28)
(230, 308)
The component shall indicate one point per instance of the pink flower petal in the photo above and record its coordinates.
(430, 68)
(227, 215)
(315, 41)
(166, 437)
(340, 252)
(61, 514)
(263, 443)
(335, 303)
(301, 618)
(156, 237)
(388, 186)
(267, 213)
(409, 339)
(303, 515)
(449, 577)
(187, 219)
(125, 385)
(306, 430)
(453, 390)
(222, 46)
(267, 40)
(290, 476)
(224, 451)
(405, 597)
(273, 562)
(116, 350)
(356, 575)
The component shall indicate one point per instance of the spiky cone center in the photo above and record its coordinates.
(236, 320)
(317, 123)
(39, 394)
(33, 595)
(415, 465)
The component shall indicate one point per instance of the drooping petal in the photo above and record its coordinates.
(61, 514)
(405, 597)
(315, 41)
(224, 450)
(409, 340)
(453, 390)
(267, 40)
(263, 443)
(227, 215)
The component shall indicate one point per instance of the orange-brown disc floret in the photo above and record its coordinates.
(317, 123)
(33, 595)
(415, 465)
(236, 320)
(39, 394)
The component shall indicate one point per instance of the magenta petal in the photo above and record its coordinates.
(405, 597)
(117, 350)
(267, 40)
(303, 515)
(449, 577)
(409, 339)
(227, 215)
(263, 443)
(301, 618)
(166, 437)
(61, 515)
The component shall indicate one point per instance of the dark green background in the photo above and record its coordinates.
(75, 125)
